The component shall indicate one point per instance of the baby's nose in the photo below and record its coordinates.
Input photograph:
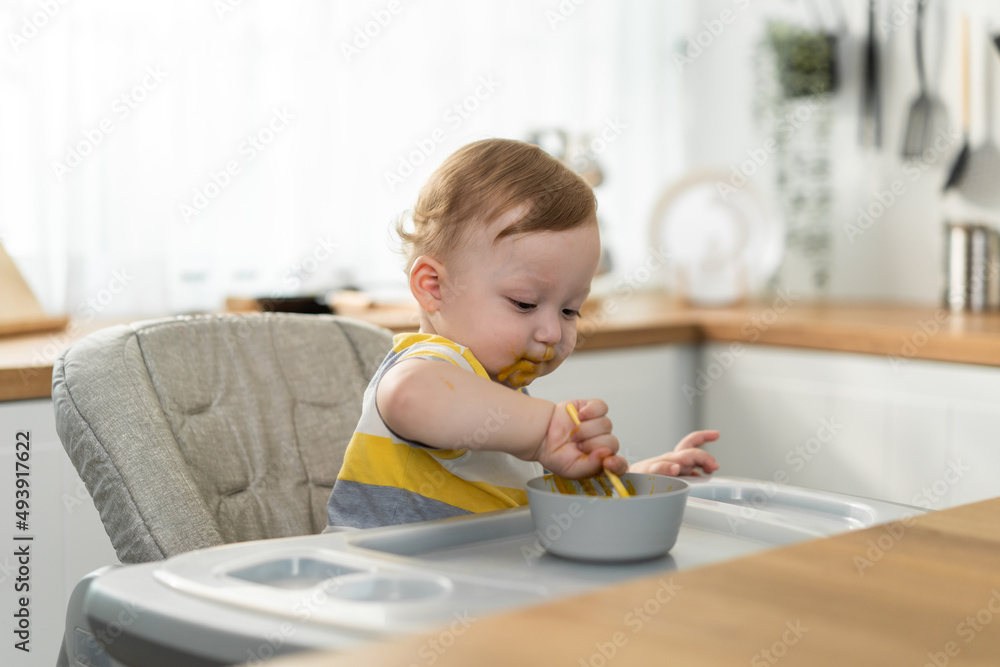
(548, 330)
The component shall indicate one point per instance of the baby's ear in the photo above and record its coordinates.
(425, 283)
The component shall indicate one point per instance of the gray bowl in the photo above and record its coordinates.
(610, 529)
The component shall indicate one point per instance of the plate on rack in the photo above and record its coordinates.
(723, 243)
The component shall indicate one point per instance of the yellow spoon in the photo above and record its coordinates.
(615, 480)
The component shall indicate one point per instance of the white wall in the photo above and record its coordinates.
(900, 257)
(312, 208)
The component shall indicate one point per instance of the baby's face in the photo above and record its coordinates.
(516, 304)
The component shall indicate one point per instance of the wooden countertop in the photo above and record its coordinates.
(26, 359)
(923, 592)
(646, 318)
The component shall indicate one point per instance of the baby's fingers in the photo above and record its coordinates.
(690, 459)
(591, 408)
(581, 465)
(595, 463)
(595, 428)
(686, 462)
(696, 439)
(616, 464)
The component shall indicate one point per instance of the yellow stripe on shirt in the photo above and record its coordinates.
(381, 462)
(403, 341)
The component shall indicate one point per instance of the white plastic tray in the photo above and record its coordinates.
(418, 576)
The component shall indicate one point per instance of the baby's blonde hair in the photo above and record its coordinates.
(484, 180)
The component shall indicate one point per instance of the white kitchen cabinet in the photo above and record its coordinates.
(916, 432)
(69, 538)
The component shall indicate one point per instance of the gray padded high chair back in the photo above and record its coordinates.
(195, 431)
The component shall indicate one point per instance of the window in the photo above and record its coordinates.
(175, 153)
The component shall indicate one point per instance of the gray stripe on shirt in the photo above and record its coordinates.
(359, 505)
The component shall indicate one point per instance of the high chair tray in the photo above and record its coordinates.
(348, 588)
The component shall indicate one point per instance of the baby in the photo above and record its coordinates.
(500, 258)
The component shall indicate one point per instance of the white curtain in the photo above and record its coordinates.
(156, 157)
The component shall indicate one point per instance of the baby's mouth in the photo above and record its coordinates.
(524, 369)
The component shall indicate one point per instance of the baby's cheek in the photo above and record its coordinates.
(570, 335)
(560, 356)
(551, 366)
(565, 347)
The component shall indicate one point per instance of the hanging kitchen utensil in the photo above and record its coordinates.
(958, 168)
(979, 183)
(927, 112)
(871, 113)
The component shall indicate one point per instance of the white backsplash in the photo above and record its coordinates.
(896, 251)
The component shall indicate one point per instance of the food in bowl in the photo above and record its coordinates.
(589, 486)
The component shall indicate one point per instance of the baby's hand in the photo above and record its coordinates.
(684, 460)
(575, 452)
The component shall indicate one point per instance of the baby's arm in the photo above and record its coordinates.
(684, 460)
(447, 407)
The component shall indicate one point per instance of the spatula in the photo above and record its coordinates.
(927, 110)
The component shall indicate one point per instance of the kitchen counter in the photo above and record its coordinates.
(649, 318)
(26, 359)
(923, 591)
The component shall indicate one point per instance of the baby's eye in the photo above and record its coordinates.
(523, 306)
(570, 313)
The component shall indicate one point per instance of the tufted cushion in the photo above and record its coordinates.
(196, 431)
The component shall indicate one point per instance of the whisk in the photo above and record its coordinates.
(591, 486)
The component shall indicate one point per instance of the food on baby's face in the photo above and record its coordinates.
(518, 374)
(525, 368)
